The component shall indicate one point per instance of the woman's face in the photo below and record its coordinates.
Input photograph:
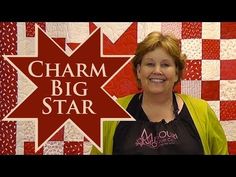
(157, 72)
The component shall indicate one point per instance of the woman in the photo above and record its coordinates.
(166, 122)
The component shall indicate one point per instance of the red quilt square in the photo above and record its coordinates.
(8, 74)
(232, 147)
(123, 83)
(59, 136)
(210, 90)
(30, 28)
(193, 70)
(8, 38)
(125, 45)
(177, 87)
(191, 30)
(210, 49)
(8, 87)
(29, 149)
(7, 138)
(227, 69)
(228, 30)
(228, 110)
(73, 148)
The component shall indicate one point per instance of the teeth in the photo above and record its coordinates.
(157, 80)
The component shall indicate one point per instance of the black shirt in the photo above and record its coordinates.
(178, 136)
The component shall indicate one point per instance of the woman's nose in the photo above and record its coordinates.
(157, 70)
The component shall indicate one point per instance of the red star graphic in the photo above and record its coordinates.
(69, 88)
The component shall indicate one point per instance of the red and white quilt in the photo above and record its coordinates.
(211, 73)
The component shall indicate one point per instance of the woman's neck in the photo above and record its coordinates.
(158, 106)
(157, 99)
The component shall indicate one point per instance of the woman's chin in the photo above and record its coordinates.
(156, 91)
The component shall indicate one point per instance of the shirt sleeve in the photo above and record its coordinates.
(109, 128)
(216, 135)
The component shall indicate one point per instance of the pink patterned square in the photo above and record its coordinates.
(228, 110)
(73, 148)
(210, 90)
(191, 87)
(172, 28)
(193, 70)
(227, 69)
(191, 30)
(210, 49)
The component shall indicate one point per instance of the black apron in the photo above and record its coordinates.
(178, 136)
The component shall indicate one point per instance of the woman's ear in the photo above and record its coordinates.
(138, 71)
(177, 74)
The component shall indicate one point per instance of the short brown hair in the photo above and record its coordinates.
(168, 42)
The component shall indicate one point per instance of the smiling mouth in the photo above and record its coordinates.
(155, 80)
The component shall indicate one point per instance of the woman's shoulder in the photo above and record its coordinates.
(189, 99)
(198, 108)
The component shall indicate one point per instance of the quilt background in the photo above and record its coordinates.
(210, 74)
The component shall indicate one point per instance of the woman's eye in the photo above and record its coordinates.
(165, 65)
(150, 64)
